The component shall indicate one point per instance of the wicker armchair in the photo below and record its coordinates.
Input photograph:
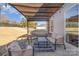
(56, 39)
(59, 41)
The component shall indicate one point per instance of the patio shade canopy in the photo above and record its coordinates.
(37, 11)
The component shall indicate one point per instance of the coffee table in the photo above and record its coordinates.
(43, 45)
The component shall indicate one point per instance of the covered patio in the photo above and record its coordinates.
(50, 41)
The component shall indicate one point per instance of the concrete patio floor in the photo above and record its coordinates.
(70, 51)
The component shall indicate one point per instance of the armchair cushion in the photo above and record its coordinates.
(51, 39)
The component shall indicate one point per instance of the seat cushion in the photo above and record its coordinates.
(51, 39)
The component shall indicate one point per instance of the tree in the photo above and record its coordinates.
(32, 24)
(4, 20)
(23, 23)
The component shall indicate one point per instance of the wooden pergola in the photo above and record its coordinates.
(37, 11)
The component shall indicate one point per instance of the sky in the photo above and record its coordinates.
(72, 12)
(11, 12)
(41, 23)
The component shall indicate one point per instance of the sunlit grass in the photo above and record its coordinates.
(71, 29)
(8, 34)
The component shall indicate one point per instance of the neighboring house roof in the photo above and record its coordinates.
(73, 19)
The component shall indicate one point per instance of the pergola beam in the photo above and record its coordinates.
(37, 20)
(36, 12)
(38, 15)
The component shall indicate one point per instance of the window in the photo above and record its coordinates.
(72, 26)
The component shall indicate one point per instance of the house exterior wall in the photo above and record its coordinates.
(59, 19)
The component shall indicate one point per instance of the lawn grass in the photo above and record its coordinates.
(71, 29)
(9, 34)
